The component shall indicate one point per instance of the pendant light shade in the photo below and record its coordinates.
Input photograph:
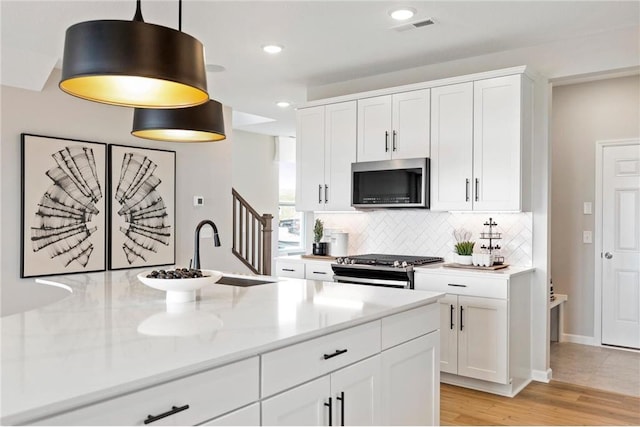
(133, 63)
(202, 123)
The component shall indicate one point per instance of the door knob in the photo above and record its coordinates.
(608, 255)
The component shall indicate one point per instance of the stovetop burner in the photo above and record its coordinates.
(389, 260)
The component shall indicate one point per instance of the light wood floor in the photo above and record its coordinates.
(555, 403)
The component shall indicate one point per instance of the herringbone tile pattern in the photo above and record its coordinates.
(419, 232)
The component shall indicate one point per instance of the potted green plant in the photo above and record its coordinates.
(319, 248)
(463, 247)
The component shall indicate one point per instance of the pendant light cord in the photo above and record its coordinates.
(180, 15)
(138, 16)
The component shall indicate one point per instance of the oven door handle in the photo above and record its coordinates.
(375, 282)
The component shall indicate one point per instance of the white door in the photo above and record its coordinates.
(621, 246)
(482, 339)
(306, 405)
(449, 334)
(310, 159)
(411, 382)
(356, 394)
(339, 153)
(410, 125)
(451, 147)
(374, 129)
(497, 143)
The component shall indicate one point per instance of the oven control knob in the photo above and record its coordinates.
(396, 264)
(339, 260)
(352, 261)
(404, 264)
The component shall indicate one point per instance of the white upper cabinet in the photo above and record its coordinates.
(394, 126)
(451, 147)
(480, 145)
(326, 147)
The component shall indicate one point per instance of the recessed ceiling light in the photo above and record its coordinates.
(283, 104)
(272, 48)
(403, 13)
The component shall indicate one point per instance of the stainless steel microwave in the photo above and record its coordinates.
(390, 184)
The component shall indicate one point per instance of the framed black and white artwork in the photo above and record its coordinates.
(63, 206)
(142, 185)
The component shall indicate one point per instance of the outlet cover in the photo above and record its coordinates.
(587, 237)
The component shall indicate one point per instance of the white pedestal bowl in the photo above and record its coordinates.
(181, 290)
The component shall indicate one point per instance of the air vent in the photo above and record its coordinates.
(413, 25)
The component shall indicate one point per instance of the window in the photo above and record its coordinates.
(290, 222)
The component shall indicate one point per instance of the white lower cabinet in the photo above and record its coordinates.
(248, 416)
(349, 396)
(474, 337)
(411, 382)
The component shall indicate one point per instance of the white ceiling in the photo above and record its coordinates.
(325, 42)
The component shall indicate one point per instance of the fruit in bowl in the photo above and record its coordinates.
(181, 283)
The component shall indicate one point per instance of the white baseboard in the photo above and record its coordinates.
(580, 339)
(541, 376)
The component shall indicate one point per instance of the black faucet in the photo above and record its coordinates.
(196, 247)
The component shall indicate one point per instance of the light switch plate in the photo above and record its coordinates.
(198, 201)
(587, 237)
(587, 210)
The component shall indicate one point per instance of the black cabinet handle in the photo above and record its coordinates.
(326, 193)
(477, 190)
(395, 135)
(337, 353)
(466, 189)
(451, 316)
(319, 272)
(341, 399)
(319, 193)
(174, 410)
(386, 141)
(461, 323)
(330, 406)
(456, 285)
(288, 269)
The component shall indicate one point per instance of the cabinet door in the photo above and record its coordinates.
(449, 334)
(301, 406)
(249, 416)
(356, 394)
(482, 339)
(339, 153)
(497, 143)
(451, 147)
(310, 159)
(411, 382)
(410, 120)
(374, 129)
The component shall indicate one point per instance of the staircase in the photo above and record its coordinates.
(251, 236)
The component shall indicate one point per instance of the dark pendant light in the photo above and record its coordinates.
(202, 123)
(134, 64)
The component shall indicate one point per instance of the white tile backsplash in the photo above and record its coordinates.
(422, 232)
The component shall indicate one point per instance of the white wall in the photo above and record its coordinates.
(583, 114)
(202, 169)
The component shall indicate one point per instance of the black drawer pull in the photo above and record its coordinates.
(330, 406)
(337, 353)
(457, 286)
(319, 272)
(174, 410)
(288, 269)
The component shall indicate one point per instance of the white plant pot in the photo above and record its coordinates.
(464, 259)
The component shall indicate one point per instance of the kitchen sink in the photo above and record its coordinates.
(242, 281)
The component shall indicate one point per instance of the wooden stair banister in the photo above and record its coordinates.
(252, 234)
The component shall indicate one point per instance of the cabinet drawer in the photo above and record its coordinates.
(208, 395)
(410, 324)
(290, 269)
(249, 416)
(319, 271)
(301, 362)
(489, 287)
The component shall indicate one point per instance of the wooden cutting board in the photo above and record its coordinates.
(319, 257)
(476, 267)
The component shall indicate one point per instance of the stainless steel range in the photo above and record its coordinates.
(394, 271)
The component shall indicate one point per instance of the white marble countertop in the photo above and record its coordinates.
(113, 335)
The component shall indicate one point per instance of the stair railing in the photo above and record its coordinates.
(252, 235)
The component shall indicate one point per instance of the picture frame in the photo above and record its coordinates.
(63, 206)
(142, 194)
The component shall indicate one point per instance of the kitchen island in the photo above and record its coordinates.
(113, 352)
